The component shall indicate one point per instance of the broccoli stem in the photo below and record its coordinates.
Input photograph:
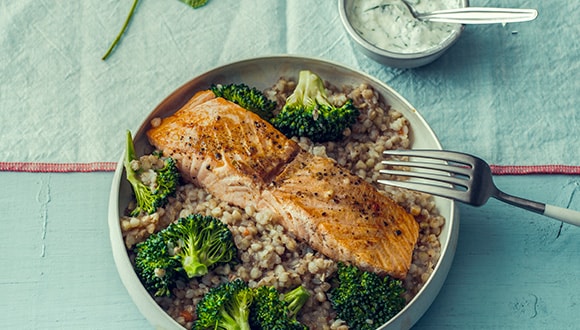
(125, 25)
(194, 268)
(132, 176)
(130, 150)
(192, 264)
(296, 299)
(230, 323)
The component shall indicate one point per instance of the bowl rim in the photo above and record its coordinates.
(442, 46)
(153, 312)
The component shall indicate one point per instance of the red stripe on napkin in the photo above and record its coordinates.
(534, 169)
(57, 167)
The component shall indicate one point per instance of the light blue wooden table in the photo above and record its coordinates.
(507, 93)
(512, 269)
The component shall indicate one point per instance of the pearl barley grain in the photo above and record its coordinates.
(268, 254)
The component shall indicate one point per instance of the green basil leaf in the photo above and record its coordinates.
(195, 3)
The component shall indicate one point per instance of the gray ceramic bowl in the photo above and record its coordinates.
(261, 73)
(392, 57)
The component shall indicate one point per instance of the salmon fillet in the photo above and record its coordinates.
(224, 148)
(243, 160)
(343, 216)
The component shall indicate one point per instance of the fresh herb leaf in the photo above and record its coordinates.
(195, 3)
(118, 38)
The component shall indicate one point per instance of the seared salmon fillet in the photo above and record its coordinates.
(343, 216)
(243, 160)
(224, 148)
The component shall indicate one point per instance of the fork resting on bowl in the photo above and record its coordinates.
(461, 177)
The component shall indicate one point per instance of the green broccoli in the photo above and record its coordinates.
(226, 306)
(309, 113)
(247, 97)
(200, 242)
(187, 247)
(149, 197)
(155, 266)
(295, 300)
(365, 300)
(271, 311)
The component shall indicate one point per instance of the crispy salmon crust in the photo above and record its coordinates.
(243, 160)
(343, 216)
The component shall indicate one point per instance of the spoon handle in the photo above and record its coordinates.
(480, 15)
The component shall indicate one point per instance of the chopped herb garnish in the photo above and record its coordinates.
(192, 3)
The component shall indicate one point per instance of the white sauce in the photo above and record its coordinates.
(389, 25)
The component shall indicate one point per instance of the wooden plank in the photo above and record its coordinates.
(513, 269)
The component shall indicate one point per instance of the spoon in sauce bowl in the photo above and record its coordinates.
(474, 15)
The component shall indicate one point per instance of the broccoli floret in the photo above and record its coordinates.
(270, 311)
(249, 98)
(155, 266)
(167, 178)
(200, 242)
(309, 113)
(187, 247)
(233, 305)
(226, 306)
(149, 197)
(365, 300)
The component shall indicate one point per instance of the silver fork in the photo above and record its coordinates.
(461, 177)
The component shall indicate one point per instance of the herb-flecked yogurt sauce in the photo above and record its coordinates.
(389, 25)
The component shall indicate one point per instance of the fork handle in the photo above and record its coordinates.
(569, 216)
(481, 15)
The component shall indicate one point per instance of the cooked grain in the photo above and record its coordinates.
(268, 254)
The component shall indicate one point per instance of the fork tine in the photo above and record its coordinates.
(458, 181)
(476, 189)
(441, 191)
(447, 174)
(465, 171)
(433, 154)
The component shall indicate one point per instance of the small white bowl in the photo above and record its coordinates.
(397, 57)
